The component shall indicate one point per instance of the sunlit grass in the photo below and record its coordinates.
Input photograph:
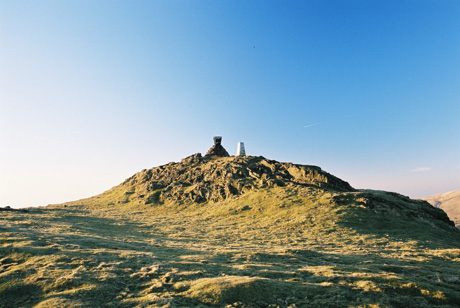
(283, 247)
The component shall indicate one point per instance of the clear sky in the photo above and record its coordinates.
(93, 91)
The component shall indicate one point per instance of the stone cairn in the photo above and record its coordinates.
(217, 149)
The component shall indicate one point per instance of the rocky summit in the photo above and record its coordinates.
(242, 232)
(201, 179)
(198, 179)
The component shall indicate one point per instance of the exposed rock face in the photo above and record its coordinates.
(217, 149)
(201, 179)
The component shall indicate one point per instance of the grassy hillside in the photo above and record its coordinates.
(293, 243)
(448, 202)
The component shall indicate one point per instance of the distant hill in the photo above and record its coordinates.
(449, 202)
(243, 232)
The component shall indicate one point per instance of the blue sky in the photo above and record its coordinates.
(93, 91)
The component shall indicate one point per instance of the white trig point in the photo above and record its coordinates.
(240, 149)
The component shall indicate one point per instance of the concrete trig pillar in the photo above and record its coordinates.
(240, 149)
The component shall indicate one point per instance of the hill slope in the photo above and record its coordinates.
(236, 231)
(201, 179)
(449, 203)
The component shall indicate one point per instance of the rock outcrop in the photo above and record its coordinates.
(201, 179)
